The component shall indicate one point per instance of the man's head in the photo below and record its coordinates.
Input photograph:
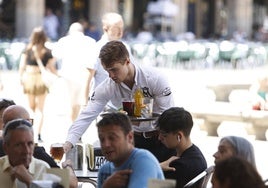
(76, 27)
(18, 142)
(113, 25)
(174, 124)
(15, 112)
(116, 137)
(4, 103)
(114, 58)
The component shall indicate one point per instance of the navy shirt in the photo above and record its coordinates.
(190, 164)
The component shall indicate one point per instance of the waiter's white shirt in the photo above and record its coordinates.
(154, 85)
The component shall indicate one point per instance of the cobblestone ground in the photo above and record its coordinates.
(186, 86)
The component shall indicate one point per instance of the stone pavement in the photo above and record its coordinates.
(187, 85)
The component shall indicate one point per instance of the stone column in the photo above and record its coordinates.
(99, 7)
(180, 25)
(29, 14)
(240, 16)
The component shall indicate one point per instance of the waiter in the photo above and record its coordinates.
(124, 78)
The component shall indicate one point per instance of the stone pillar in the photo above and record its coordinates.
(240, 16)
(99, 7)
(128, 12)
(29, 14)
(198, 18)
(180, 25)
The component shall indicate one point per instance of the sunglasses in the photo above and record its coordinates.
(13, 124)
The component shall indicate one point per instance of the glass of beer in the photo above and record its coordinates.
(56, 151)
(128, 106)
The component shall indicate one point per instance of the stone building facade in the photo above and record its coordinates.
(205, 18)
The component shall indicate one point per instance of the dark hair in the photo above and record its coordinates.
(4, 103)
(15, 124)
(118, 119)
(112, 52)
(237, 172)
(175, 119)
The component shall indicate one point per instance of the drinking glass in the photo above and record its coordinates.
(56, 151)
(128, 106)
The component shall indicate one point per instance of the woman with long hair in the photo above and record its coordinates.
(30, 73)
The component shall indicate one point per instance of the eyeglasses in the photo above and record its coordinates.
(31, 120)
(13, 124)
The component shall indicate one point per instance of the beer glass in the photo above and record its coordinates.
(128, 106)
(56, 151)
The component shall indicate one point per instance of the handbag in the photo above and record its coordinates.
(48, 77)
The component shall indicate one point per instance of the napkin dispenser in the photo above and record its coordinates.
(76, 155)
(94, 157)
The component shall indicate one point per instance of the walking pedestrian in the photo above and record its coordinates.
(30, 73)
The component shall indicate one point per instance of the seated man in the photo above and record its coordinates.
(14, 112)
(18, 168)
(128, 166)
(175, 125)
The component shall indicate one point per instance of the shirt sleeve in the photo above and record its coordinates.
(87, 116)
(149, 168)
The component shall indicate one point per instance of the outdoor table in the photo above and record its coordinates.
(86, 176)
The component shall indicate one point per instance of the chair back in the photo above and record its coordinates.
(207, 177)
(201, 180)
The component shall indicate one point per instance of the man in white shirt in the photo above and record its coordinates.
(113, 28)
(77, 53)
(124, 78)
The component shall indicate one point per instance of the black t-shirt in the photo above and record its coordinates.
(190, 164)
(31, 59)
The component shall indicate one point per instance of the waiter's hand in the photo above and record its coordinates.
(67, 146)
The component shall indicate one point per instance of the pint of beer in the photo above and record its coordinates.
(56, 151)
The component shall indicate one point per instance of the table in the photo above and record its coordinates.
(87, 176)
(216, 112)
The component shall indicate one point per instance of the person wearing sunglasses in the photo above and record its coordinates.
(15, 112)
(18, 168)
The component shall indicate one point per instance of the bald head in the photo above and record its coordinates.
(76, 28)
(15, 112)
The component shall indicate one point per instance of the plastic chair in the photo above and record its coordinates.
(201, 180)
